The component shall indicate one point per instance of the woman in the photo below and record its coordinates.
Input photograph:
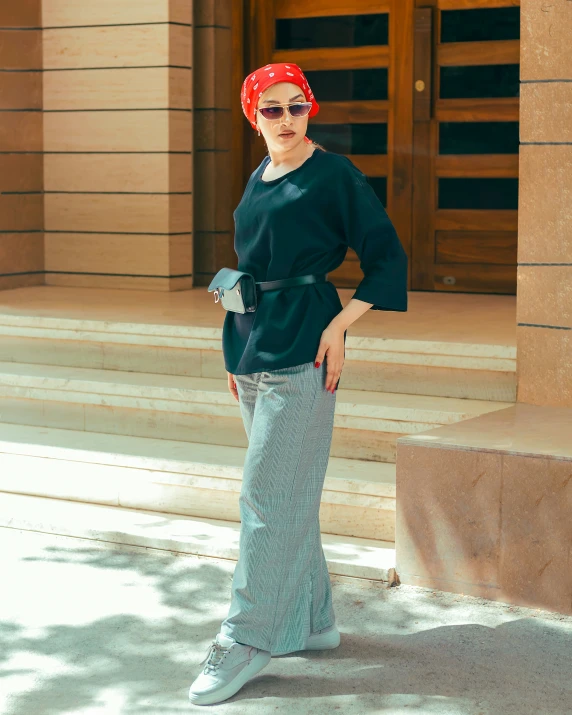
(301, 209)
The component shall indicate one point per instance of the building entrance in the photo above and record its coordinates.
(423, 98)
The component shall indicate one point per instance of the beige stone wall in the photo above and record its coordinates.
(118, 140)
(131, 112)
(483, 507)
(544, 294)
(21, 183)
(213, 238)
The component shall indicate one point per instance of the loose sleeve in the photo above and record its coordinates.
(369, 231)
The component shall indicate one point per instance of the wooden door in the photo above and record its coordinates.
(465, 145)
(422, 95)
(357, 55)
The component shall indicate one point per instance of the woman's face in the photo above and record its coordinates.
(287, 132)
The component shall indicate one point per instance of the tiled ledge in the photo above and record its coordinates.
(456, 324)
(374, 349)
(109, 525)
(521, 429)
(432, 316)
(484, 507)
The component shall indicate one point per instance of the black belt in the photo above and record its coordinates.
(290, 282)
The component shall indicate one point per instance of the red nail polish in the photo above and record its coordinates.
(317, 364)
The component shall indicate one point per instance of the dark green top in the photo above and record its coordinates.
(303, 222)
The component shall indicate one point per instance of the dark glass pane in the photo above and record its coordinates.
(350, 138)
(337, 31)
(478, 138)
(480, 81)
(344, 85)
(478, 193)
(379, 185)
(500, 23)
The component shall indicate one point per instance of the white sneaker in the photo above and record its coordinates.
(325, 639)
(229, 665)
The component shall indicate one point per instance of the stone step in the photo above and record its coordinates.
(199, 480)
(463, 370)
(112, 525)
(200, 409)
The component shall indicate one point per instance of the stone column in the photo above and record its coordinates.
(118, 137)
(544, 294)
(213, 168)
(21, 170)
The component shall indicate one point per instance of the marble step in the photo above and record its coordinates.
(200, 480)
(112, 526)
(198, 409)
(435, 368)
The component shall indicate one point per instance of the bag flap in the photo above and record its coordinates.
(226, 278)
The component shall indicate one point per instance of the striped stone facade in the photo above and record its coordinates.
(21, 143)
(544, 331)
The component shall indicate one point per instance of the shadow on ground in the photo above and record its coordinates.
(86, 629)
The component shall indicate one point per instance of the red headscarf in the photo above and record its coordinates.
(258, 82)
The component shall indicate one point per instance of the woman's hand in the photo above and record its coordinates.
(232, 386)
(332, 348)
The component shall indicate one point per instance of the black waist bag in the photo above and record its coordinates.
(237, 290)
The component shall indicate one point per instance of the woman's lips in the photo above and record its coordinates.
(287, 134)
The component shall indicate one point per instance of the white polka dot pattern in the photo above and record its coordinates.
(277, 72)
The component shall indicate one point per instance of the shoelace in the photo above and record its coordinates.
(214, 656)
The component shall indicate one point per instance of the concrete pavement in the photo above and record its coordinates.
(86, 629)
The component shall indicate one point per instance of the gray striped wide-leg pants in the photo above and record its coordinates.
(281, 589)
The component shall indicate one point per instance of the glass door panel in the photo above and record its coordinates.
(465, 151)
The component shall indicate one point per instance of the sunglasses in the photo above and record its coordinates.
(277, 111)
